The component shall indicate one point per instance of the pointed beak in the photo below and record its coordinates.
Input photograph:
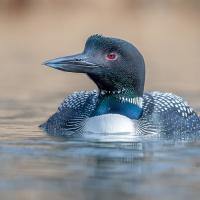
(77, 63)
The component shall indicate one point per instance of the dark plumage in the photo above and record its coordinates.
(118, 70)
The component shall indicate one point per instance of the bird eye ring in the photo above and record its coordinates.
(111, 56)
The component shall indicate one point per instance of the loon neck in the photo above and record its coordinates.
(123, 101)
(123, 95)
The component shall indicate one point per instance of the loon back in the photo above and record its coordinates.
(164, 114)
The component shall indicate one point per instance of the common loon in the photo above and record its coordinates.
(120, 104)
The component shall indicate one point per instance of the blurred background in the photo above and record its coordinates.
(32, 31)
(34, 166)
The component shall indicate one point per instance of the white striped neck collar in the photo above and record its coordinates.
(124, 96)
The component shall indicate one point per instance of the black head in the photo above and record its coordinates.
(113, 64)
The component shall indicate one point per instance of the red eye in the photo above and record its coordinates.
(111, 56)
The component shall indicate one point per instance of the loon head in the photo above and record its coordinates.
(113, 64)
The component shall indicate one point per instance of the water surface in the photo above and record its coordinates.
(34, 165)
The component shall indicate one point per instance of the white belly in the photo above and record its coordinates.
(110, 127)
(110, 123)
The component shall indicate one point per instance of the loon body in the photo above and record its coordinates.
(120, 104)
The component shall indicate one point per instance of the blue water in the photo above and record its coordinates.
(34, 165)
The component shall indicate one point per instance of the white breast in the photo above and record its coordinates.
(110, 123)
(110, 127)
